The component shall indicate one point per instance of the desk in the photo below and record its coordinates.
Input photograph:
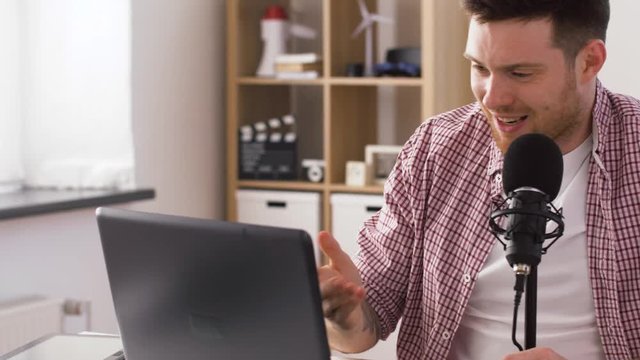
(77, 347)
(68, 347)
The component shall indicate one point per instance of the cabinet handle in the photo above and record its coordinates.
(373, 208)
(276, 204)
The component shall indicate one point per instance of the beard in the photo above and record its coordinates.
(561, 121)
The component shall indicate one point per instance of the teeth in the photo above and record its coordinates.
(511, 120)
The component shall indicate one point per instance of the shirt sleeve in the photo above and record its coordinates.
(386, 240)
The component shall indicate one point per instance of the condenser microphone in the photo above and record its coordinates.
(531, 178)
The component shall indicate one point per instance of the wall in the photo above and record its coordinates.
(620, 73)
(178, 103)
(178, 114)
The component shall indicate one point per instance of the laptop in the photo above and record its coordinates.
(186, 288)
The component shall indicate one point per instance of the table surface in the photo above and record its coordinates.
(68, 347)
(78, 347)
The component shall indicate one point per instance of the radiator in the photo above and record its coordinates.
(26, 319)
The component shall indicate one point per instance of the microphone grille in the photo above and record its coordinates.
(533, 160)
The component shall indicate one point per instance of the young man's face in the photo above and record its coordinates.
(524, 84)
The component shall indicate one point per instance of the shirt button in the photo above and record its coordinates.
(498, 178)
(446, 335)
(466, 278)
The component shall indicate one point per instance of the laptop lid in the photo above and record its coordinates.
(187, 288)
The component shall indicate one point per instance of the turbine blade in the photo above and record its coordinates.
(363, 25)
(381, 19)
(364, 12)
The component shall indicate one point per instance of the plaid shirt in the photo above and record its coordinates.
(420, 255)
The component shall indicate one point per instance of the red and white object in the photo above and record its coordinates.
(276, 29)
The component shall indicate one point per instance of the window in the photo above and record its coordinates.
(66, 119)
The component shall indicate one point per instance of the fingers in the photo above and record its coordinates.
(340, 284)
(331, 248)
(340, 298)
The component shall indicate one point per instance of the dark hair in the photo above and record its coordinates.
(575, 22)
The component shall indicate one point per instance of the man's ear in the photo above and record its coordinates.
(590, 60)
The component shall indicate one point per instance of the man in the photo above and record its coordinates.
(428, 256)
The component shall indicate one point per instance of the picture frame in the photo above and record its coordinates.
(379, 161)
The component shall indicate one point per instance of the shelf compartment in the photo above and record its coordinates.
(366, 115)
(352, 125)
(244, 22)
(258, 103)
(401, 33)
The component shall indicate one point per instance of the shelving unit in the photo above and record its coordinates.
(343, 114)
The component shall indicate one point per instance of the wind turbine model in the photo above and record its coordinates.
(366, 25)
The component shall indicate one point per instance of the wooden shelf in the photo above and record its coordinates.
(308, 186)
(347, 81)
(337, 116)
(248, 80)
(342, 188)
(280, 185)
(376, 81)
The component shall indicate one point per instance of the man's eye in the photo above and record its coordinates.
(479, 68)
(521, 75)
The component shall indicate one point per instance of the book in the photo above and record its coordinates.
(297, 75)
(297, 58)
(298, 67)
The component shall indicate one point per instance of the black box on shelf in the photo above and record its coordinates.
(267, 149)
(267, 160)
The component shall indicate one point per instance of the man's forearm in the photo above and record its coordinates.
(361, 337)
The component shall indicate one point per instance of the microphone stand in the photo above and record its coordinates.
(530, 308)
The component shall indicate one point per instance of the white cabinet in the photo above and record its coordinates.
(348, 214)
(290, 209)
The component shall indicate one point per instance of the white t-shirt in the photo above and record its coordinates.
(565, 313)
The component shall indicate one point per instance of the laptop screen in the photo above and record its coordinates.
(187, 288)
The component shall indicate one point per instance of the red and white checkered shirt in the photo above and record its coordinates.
(420, 255)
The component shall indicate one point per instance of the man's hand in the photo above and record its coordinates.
(538, 353)
(351, 324)
(340, 284)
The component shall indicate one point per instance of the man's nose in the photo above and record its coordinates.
(498, 93)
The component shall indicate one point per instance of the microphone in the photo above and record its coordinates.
(531, 178)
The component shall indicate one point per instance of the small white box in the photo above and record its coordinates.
(356, 173)
(290, 209)
(348, 214)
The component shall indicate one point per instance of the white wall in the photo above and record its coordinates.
(621, 73)
(178, 84)
(178, 114)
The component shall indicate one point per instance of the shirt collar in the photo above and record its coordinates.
(600, 115)
(495, 159)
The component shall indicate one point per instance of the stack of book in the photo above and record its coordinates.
(298, 66)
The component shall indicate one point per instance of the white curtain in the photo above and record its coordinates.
(75, 103)
(11, 169)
